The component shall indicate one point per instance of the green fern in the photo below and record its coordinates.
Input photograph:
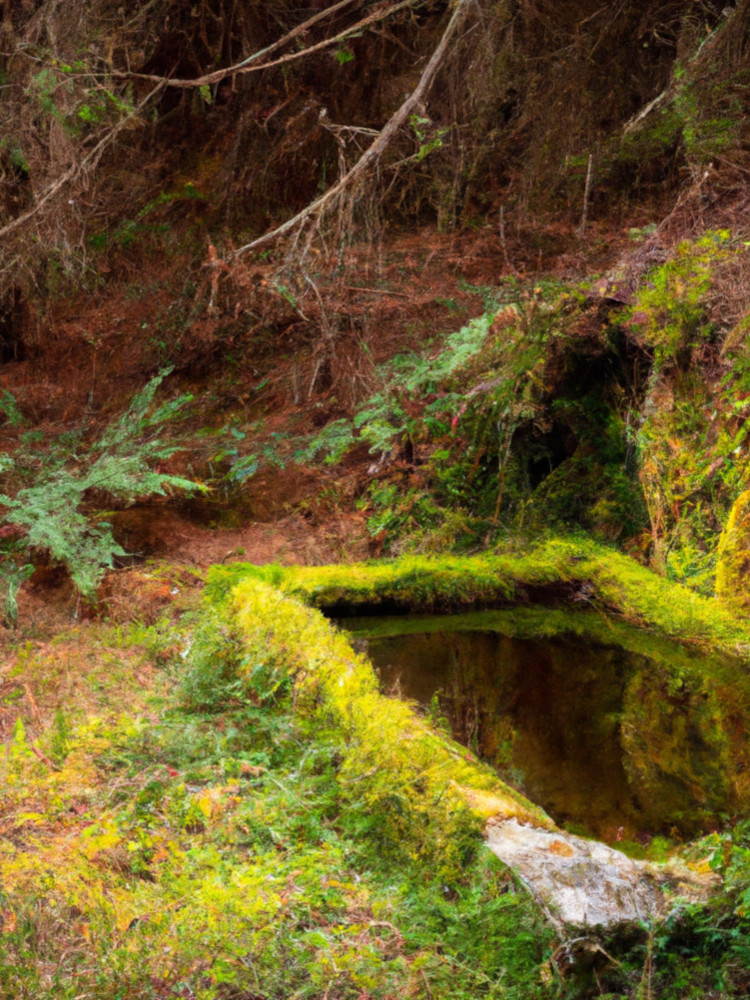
(383, 418)
(53, 513)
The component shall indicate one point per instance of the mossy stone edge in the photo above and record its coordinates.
(387, 745)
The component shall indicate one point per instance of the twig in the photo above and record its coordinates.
(44, 759)
(645, 985)
(32, 702)
(373, 153)
(503, 460)
(389, 925)
(248, 66)
(426, 982)
(337, 129)
(584, 943)
(300, 28)
(586, 195)
(376, 291)
(638, 117)
(77, 168)
(503, 244)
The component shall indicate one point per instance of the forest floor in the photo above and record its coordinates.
(126, 774)
(95, 348)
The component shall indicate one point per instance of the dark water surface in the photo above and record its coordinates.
(606, 727)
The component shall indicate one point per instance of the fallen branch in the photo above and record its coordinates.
(32, 702)
(42, 757)
(633, 123)
(378, 146)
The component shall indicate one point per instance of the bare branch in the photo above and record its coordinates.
(638, 117)
(373, 153)
(77, 168)
(246, 65)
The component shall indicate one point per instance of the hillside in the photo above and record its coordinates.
(337, 283)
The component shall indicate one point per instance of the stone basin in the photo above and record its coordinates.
(614, 731)
(617, 733)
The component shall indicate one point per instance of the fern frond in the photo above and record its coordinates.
(53, 513)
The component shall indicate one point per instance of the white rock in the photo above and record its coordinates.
(582, 885)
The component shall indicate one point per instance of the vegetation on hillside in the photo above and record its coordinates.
(469, 281)
(602, 385)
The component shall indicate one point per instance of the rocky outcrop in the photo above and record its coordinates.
(733, 557)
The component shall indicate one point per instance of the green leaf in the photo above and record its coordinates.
(55, 511)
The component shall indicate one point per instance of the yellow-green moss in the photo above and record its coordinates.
(580, 571)
(391, 754)
(733, 564)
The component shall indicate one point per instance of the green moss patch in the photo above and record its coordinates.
(236, 836)
(575, 572)
(392, 754)
(734, 557)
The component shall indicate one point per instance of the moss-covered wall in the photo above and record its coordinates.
(392, 755)
(679, 712)
(559, 571)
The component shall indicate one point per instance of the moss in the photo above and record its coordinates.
(580, 471)
(589, 626)
(733, 559)
(419, 781)
(557, 571)
(671, 308)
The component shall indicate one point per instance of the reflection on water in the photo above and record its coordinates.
(599, 734)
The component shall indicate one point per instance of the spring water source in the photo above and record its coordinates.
(615, 732)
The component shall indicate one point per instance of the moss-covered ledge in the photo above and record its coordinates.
(419, 780)
(426, 795)
(559, 571)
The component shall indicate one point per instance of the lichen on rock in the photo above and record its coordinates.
(582, 885)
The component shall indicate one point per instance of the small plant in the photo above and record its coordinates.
(213, 659)
(412, 402)
(130, 230)
(57, 514)
(428, 137)
(73, 96)
(670, 309)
